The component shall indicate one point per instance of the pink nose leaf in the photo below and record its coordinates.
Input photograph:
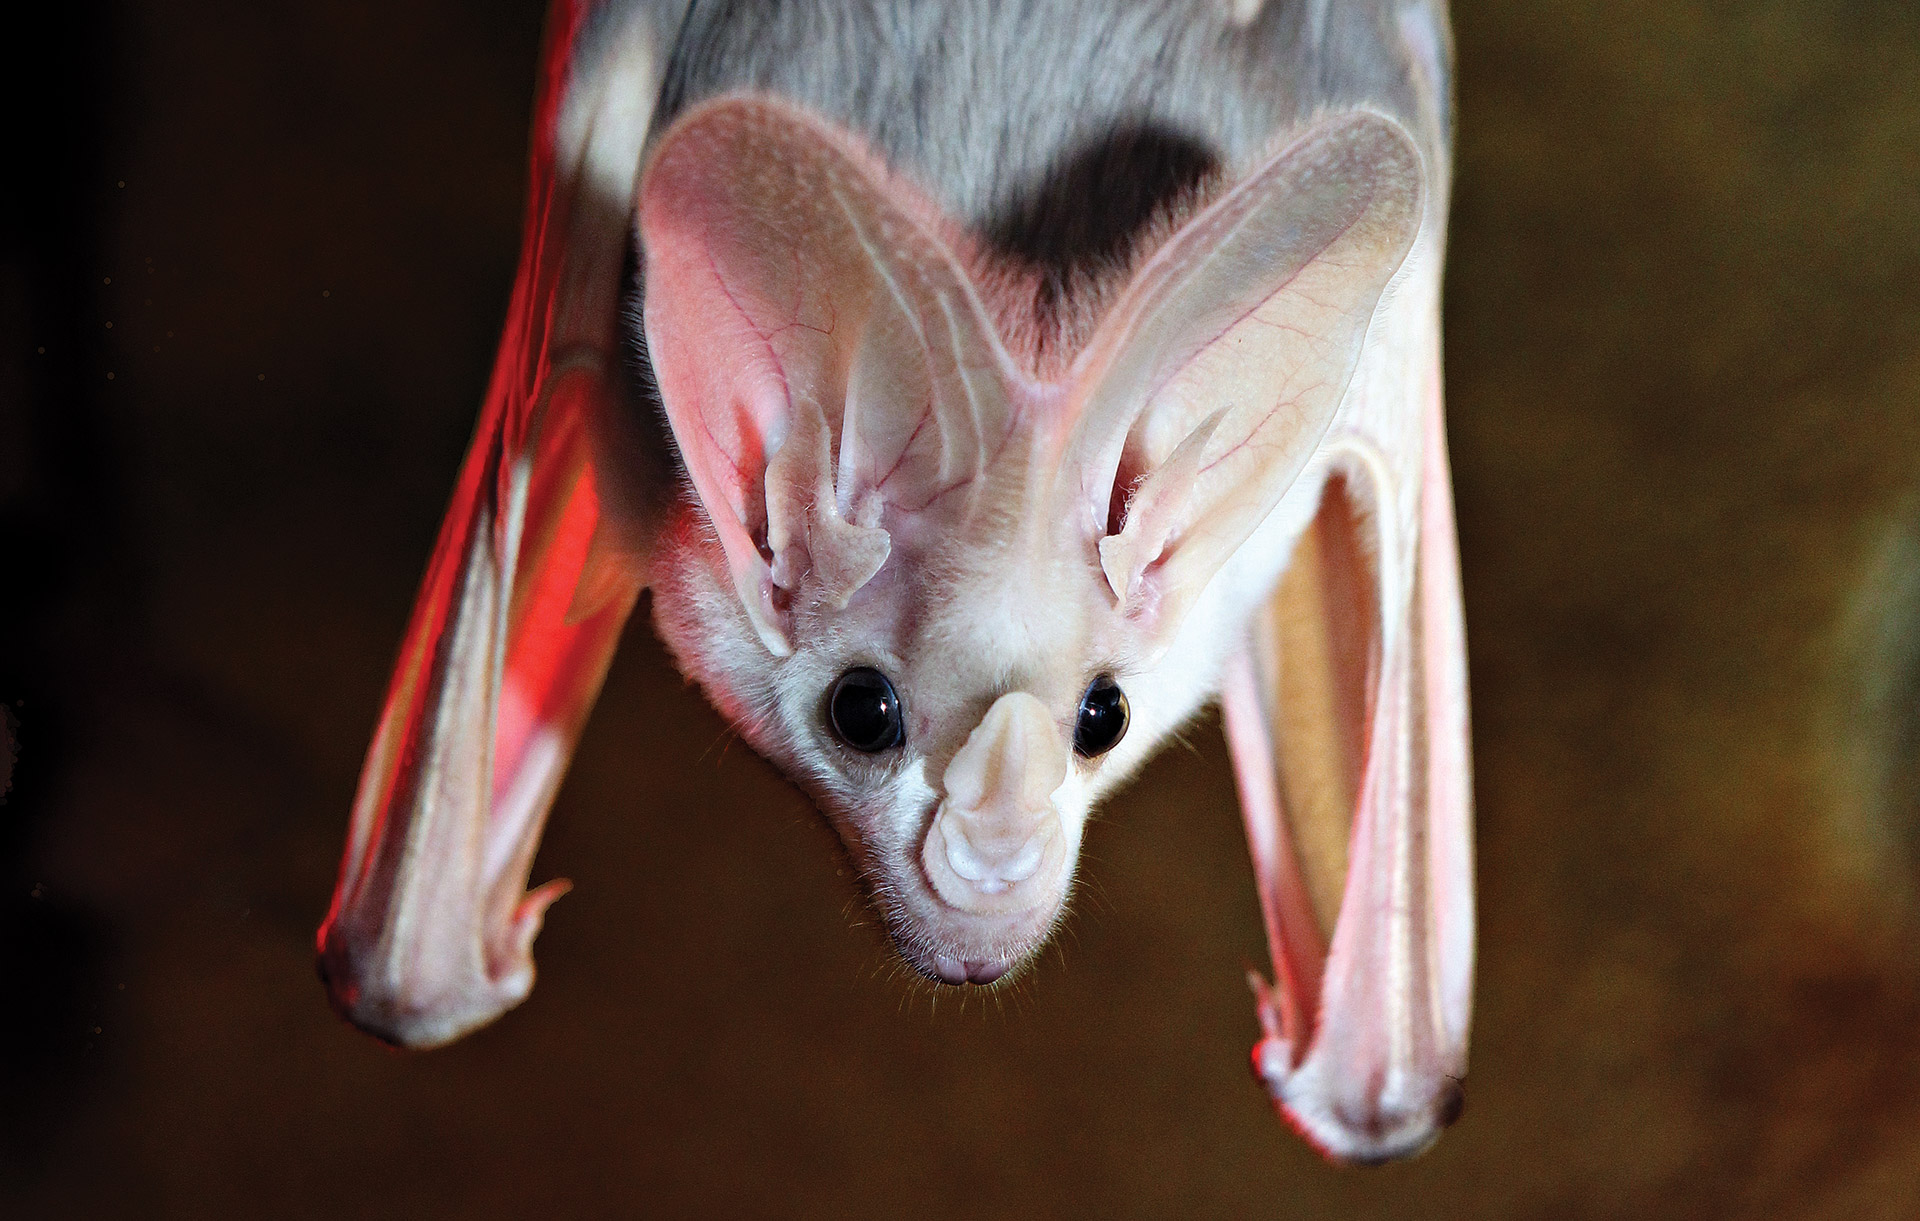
(1011, 764)
(997, 827)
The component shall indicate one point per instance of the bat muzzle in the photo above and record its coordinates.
(996, 846)
(997, 854)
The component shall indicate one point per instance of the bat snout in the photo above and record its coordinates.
(989, 896)
(991, 870)
(994, 897)
(996, 846)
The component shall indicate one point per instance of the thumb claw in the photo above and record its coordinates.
(531, 915)
(1273, 1055)
(1262, 1000)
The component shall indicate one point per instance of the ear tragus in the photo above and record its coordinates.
(805, 531)
(1154, 510)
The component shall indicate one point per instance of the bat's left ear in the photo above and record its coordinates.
(817, 345)
(1218, 373)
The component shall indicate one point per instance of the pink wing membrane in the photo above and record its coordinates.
(1372, 941)
(534, 573)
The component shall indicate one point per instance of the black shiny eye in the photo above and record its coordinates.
(1103, 718)
(864, 711)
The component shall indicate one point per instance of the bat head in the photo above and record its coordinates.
(945, 583)
(955, 719)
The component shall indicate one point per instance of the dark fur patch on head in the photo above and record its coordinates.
(1070, 238)
(1097, 198)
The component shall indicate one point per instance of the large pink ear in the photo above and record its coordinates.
(1212, 381)
(824, 362)
(537, 566)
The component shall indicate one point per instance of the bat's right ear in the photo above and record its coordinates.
(818, 349)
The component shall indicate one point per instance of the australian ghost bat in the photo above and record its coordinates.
(981, 389)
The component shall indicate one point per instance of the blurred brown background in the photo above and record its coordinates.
(256, 260)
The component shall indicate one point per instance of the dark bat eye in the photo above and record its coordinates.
(1103, 718)
(864, 710)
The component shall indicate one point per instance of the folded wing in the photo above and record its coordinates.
(537, 567)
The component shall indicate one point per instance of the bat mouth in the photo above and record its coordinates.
(958, 946)
(947, 969)
(949, 946)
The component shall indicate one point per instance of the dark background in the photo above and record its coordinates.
(256, 260)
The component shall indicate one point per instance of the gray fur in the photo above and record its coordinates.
(998, 106)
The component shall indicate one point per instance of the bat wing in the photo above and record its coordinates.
(538, 565)
(1346, 703)
(1346, 715)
